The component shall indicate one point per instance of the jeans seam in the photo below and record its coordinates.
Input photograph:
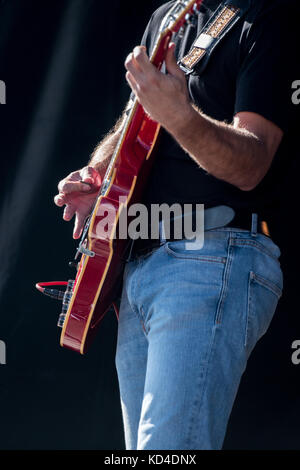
(266, 283)
(203, 258)
(143, 320)
(257, 245)
(254, 278)
(225, 280)
(190, 438)
(135, 287)
(248, 311)
(216, 325)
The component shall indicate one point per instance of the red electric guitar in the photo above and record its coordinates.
(99, 270)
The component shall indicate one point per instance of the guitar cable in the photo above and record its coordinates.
(45, 288)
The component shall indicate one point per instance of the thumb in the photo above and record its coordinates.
(90, 176)
(171, 63)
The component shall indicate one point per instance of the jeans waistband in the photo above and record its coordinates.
(211, 218)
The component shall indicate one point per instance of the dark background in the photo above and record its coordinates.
(62, 62)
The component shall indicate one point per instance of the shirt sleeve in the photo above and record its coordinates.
(269, 67)
(152, 28)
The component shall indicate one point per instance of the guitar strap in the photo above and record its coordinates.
(220, 23)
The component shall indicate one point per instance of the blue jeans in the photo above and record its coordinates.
(188, 322)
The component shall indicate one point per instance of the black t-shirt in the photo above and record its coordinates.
(252, 69)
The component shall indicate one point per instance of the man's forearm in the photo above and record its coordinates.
(228, 153)
(103, 152)
(239, 153)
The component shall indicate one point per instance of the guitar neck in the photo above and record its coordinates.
(171, 23)
(157, 59)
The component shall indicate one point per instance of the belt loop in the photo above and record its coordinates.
(254, 225)
(129, 257)
(162, 234)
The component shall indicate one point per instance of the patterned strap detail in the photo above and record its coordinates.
(220, 22)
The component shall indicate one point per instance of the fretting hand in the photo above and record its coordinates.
(163, 96)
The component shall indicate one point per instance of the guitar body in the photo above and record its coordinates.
(99, 277)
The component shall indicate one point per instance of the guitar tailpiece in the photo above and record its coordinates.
(65, 303)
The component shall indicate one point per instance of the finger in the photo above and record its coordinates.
(171, 63)
(68, 187)
(90, 175)
(68, 213)
(87, 180)
(59, 200)
(132, 83)
(132, 67)
(72, 177)
(89, 185)
(78, 226)
(142, 60)
(148, 72)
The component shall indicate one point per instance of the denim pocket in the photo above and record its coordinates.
(178, 249)
(260, 242)
(263, 296)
